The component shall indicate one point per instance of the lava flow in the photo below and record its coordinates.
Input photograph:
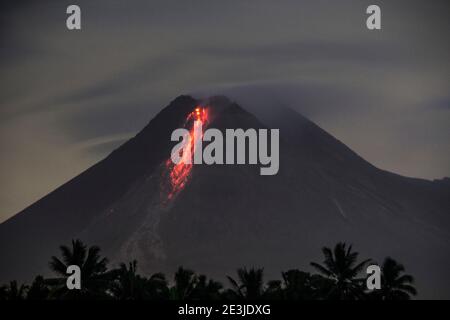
(178, 174)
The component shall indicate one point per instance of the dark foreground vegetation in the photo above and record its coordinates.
(340, 276)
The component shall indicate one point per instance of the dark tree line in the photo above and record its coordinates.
(339, 277)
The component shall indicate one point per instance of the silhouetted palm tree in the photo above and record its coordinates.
(206, 289)
(3, 292)
(273, 290)
(298, 285)
(340, 266)
(185, 281)
(250, 284)
(128, 285)
(94, 278)
(157, 288)
(13, 291)
(394, 284)
(39, 289)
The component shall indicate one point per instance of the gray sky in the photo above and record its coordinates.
(69, 97)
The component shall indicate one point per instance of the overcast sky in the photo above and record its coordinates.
(68, 98)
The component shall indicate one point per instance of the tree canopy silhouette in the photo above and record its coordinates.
(342, 268)
(395, 285)
(249, 284)
(338, 277)
(95, 279)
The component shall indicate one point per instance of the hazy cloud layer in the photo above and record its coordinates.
(68, 98)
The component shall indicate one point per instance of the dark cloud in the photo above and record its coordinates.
(307, 51)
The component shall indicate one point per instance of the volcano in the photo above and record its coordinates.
(227, 216)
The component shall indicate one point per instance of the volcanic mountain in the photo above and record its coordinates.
(227, 216)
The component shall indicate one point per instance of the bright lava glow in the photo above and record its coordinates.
(178, 174)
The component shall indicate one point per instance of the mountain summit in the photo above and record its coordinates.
(227, 216)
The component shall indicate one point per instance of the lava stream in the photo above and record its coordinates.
(178, 174)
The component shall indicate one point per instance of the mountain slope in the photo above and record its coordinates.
(229, 215)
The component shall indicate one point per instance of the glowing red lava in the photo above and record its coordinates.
(178, 174)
